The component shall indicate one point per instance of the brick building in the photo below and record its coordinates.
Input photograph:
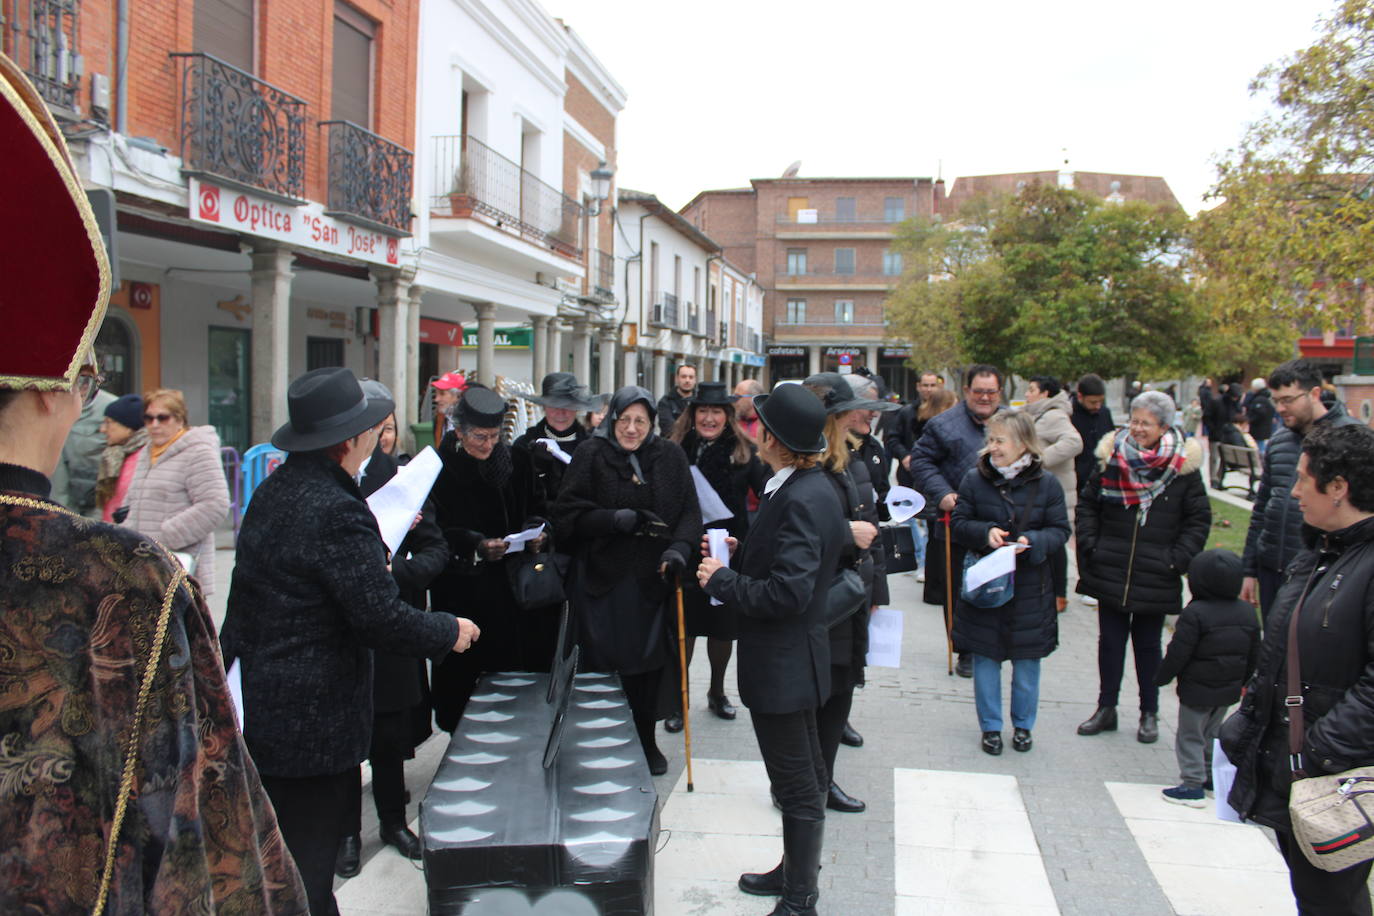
(1149, 188)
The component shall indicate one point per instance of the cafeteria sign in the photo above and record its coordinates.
(505, 338)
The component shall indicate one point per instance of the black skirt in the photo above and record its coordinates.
(704, 619)
(624, 630)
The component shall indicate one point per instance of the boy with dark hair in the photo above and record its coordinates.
(1213, 653)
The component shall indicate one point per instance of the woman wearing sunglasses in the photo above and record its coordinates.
(179, 496)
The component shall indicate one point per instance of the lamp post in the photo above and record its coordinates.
(601, 187)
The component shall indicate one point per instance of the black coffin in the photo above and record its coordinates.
(503, 834)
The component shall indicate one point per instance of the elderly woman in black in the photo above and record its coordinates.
(779, 590)
(1141, 519)
(1327, 600)
(629, 510)
(716, 446)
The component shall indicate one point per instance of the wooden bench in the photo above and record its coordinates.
(1244, 459)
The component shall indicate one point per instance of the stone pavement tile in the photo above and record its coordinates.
(972, 876)
(702, 897)
(929, 906)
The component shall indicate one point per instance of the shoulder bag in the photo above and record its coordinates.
(847, 593)
(536, 579)
(999, 591)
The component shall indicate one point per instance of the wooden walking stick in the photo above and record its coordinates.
(682, 664)
(949, 599)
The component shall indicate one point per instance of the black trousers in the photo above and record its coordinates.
(790, 745)
(643, 696)
(831, 717)
(1324, 893)
(313, 813)
(1114, 628)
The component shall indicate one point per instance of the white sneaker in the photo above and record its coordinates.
(1089, 601)
(920, 575)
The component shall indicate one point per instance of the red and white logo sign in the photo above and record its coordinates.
(140, 295)
(393, 251)
(208, 203)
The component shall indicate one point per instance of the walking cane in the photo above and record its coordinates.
(682, 664)
(949, 600)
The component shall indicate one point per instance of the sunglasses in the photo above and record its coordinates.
(157, 418)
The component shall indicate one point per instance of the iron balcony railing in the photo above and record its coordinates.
(739, 334)
(369, 178)
(693, 319)
(831, 323)
(665, 313)
(472, 178)
(830, 218)
(725, 334)
(44, 43)
(756, 341)
(239, 130)
(605, 274)
(710, 327)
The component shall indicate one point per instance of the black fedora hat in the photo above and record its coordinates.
(839, 397)
(561, 389)
(712, 394)
(328, 406)
(795, 418)
(480, 408)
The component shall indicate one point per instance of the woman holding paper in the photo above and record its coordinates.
(1008, 498)
(710, 434)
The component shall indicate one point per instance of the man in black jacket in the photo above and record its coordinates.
(1274, 537)
(1093, 420)
(900, 435)
(672, 404)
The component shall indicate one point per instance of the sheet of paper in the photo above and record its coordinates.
(712, 506)
(397, 503)
(556, 450)
(518, 540)
(998, 563)
(885, 638)
(1223, 775)
(235, 678)
(715, 542)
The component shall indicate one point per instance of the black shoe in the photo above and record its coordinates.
(673, 724)
(658, 764)
(851, 737)
(762, 884)
(964, 666)
(992, 743)
(402, 840)
(720, 706)
(349, 860)
(1148, 733)
(801, 866)
(840, 800)
(1104, 720)
(1021, 740)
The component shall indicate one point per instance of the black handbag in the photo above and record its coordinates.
(846, 595)
(899, 548)
(536, 579)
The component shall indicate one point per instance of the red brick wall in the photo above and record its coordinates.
(583, 106)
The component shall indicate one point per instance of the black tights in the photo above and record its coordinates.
(718, 651)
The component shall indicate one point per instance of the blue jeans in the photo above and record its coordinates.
(918, 538)
(987, 692)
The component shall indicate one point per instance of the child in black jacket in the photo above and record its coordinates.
(1213, 653)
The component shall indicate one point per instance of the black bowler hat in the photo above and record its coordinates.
(839, 396)
(561, 389)
(481, 408)
(712, 394)
(328, 406)
(795, 418)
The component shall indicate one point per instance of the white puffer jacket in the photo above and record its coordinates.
(1060, 442)
(182, 500)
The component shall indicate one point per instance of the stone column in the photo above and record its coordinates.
(555, 361)
(271, 349)
(872, 363)
(486, 342)
(814, 355)
(659, 386)
(411, 376)
(582, 349)
(630, 373)
(540, 349)
(608, 337)
(393, 313)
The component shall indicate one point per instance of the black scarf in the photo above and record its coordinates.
(498, 468)
(620, 401)
(713, 457)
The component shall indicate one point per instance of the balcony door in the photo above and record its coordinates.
(224, 28)
(351, 98)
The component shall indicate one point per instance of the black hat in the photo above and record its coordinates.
(712, 394)
(481, 408)
(328, 406)
(126, 411)
(794, 417)
(561, 389)
(839, 396)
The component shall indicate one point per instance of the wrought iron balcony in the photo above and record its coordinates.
(710, 327)
(369, 178)
(471, 178)
(605, 275)
(44, 44)
(241, 131)
(693, 319)
(665, 313)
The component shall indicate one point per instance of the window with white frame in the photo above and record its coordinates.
(892, 264)
(796, 311)
(844, 311)
(796, 261)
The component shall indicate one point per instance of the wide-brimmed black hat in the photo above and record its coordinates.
(839, 396)
(481, 408)
(794, 417)
(561, 389)
(712, 394)
(328, 406)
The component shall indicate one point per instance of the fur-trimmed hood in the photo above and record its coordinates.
(1192, 453)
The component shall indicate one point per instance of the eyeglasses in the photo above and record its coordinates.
(1289, 399)
(984, 393)
(481, 438)
(636, 422)
(87, 384)
(157, 418)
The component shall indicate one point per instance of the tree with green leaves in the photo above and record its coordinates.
(1050, 281)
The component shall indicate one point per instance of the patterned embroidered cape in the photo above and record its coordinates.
(79, 605)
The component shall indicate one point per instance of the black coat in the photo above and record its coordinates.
(778, 589)
(899, 437)
(1027, 626)
(616, 592)
(1138, 568)
(947, 450)
(469, 509)
(1216, 639)
(731, 481)
(874, 458)
(548, 470)
(1091, 428)
(1260, 411)
(1336, 662)
(310, 598)
(1275, 533)
(670, 407)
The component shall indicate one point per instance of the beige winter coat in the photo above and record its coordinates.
(1060, 442)
(182, 500)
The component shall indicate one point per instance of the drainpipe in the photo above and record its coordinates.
(122, 67)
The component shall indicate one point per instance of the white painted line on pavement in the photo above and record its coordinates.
(1203, 865)
(965, 846)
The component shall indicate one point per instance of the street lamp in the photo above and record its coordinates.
(601, 187)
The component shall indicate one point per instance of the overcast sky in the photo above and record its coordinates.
(721, 91)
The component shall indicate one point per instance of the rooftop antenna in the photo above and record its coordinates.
(792, 170)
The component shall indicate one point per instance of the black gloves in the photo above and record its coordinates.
(673, 564)
(639, 521)
(120, 514)
(626, 521)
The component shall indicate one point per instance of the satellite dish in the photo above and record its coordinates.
(792, 170)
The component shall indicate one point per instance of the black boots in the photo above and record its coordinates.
(400, 837)
(796, 877)
(348, 862)
(1104, 720)
(850, 737)
(1148, 733)
(964, 666)
(762, 884)
(840, 800)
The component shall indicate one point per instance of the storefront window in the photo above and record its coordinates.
(114, 349)
(230, 386)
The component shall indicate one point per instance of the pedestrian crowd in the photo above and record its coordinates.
(131, 785)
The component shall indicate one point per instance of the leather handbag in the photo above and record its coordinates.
(1331, 814)
(536, 580)
(846, 595)
(899, 548)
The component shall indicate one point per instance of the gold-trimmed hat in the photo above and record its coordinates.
(56, 279)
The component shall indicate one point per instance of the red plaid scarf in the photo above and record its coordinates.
(1134, 477)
